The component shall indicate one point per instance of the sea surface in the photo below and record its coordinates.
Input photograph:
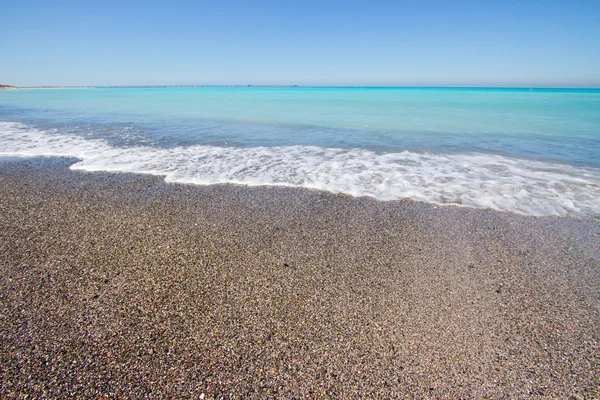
(529, 151)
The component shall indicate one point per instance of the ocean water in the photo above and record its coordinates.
(534, 152)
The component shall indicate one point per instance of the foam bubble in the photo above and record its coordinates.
(475, 180)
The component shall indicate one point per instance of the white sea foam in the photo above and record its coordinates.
(475, 180)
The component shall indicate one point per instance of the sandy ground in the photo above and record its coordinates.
(117, 285)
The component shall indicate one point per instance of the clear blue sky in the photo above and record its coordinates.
(418, 42)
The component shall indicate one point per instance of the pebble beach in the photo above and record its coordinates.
(124, 286)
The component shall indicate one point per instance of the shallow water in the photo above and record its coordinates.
(535, 152)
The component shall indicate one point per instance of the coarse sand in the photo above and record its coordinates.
(124, 286)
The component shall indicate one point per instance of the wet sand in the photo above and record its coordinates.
(118, 285)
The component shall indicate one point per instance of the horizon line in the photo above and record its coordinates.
(591, 87)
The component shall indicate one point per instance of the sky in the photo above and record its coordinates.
(303, 42)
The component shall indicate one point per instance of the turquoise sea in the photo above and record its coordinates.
(530, 151)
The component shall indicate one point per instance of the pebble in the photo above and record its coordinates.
(123, 286)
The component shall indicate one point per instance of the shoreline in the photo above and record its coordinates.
(125, 285)
(506, 202)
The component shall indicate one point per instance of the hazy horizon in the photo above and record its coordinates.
(306, 86)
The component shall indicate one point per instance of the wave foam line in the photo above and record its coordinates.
(476, 180)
